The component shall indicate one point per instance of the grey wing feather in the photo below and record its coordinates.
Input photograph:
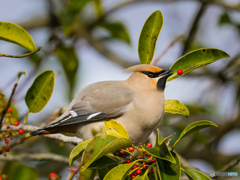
(106, 100)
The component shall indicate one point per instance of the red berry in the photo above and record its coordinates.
(16, 123)
(121, 152)
(133, 176)
(131, 149)
(145, 167)
(1, 178)
(180, 72)
(52, 175)
(149, 145)
(153, 160)
(8, 127)
(128, 161)
(7, 148)
(135, 166)
(73, 170)
(152, 171)
(134, 173)
(139, 171)
(21, 131)
(6, 141)
(10, 110)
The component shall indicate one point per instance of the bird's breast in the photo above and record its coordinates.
(143, 116)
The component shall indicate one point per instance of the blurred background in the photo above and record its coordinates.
(87, 41)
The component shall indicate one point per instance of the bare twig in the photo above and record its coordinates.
(37, 66)
(194, 27)
(20, 56)
(231, 164)
(71, 176)
(185, 163)
(9, 102)
(166, 49)
(102, 49)
(168, 142)
(30, 128)
(37, 157)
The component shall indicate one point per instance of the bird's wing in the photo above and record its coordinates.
(102, 102)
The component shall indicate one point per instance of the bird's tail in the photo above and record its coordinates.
(37, 132)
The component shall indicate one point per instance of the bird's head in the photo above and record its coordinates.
(149, 75)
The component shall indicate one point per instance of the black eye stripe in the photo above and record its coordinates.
(151, 74)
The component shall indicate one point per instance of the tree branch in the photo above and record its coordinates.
(230, 164)
(20, 56)
(30, 128)
(102, 49)
(185, 163)
(166, 49)
(194, 27)
(37, 157)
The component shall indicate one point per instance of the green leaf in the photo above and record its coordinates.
(119, 172)
(117, 30)
(21, 73)
(170, 170)
(196, 59)
(161, 152)
(100, 146)
(148, 37)
(19, 172)
(103, 162)
(99, 8)
(16, 34)
(102, 172)
(195, 126)
(69, 62)
(40, 91)
(114, 128)
(193, 174)
(224, 19)
(69, 18)
(175, 107)
(160, 139)
(87, 174)
(77, 151)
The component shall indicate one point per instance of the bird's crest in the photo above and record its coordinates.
(143, 67)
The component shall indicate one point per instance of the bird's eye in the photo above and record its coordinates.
(150, 75)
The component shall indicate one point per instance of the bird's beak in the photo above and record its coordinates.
(166, 73)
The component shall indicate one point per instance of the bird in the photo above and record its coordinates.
(136, 103)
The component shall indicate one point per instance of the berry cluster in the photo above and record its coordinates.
(9, 134)
(141, 166)
(3, 176)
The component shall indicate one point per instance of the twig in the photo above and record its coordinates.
(102, 49)
(9, 103)
(71, 176)
(168, 142)
(30, 128)
(194, 27)
(166, 49)
(20, 56)
(185, 163)
(37, 157)
(37, 66)
(230, 164)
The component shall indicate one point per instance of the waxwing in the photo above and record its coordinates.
(137, 103)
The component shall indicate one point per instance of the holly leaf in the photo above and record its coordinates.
(196, 59)
(175, 107)
(114, 128)
(16, 34)
(195, 126)
(148, 37)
